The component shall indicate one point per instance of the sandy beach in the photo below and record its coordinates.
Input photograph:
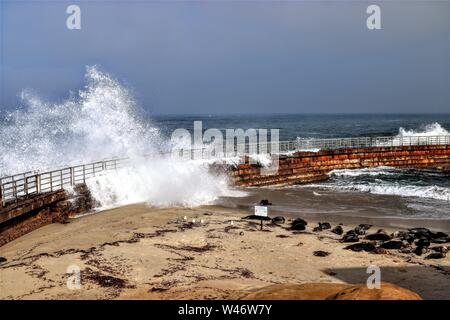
(137, 252)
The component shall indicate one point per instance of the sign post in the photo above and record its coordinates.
(261, 211)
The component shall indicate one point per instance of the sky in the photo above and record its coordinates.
(214, 57)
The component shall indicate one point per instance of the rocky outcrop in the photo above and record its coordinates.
(53, 207)
(331, 291)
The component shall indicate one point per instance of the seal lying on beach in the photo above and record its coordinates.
(424, 233)
(441, 249)
(435, 255)
(320, 253)
(379, 236)
(338, 230)
(362, 228)
(350, 236)
(441, 240)
(324, 225)
(392, 244)
(361, 246)
(278, 219)
(265, 202)
(255, 217)
(298, 224)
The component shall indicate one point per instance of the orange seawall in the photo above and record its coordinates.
(303, 167)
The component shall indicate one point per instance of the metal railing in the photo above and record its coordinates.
(22, 185)
(367, 142)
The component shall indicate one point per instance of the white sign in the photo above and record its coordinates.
(261, 211)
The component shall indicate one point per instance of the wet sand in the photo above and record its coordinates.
(387, 211)
(136, 252)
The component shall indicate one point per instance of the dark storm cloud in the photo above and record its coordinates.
(228, 57)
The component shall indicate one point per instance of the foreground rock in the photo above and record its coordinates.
(387, 291)
(331, 291)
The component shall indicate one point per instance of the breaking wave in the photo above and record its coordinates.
(363, 172)
(434, 129)
(389, 181)
(99, 122)
(431, 192)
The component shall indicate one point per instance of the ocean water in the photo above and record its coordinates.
(292, 126)
(382, 192)
(103, 120)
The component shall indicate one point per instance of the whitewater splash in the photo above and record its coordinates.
(102, 122)
(434, 129)
(161, 183)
